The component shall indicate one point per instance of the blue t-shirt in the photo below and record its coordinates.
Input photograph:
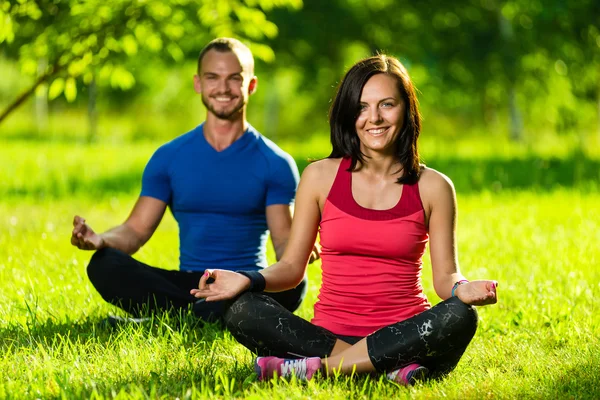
(219, 199)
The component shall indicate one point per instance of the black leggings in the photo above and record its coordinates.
(140, 289)
(435, 338)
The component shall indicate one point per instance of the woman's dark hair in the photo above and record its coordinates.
(346, 107)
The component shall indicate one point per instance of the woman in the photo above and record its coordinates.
(375, 207)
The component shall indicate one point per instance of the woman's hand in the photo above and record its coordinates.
(477, 293)
(226, 285)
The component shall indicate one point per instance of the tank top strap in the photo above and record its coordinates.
(341, 190)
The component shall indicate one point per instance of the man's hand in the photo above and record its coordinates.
(478, 293)
(226, 285)
(84, 237)
(315, 254)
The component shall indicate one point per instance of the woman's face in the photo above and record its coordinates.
(381, 116)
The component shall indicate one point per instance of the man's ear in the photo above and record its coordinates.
(197, 84)
(252, 85)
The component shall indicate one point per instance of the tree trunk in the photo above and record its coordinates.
(508, 36)
(271, 118)
(92, 111)
(599, 113)
(41, 100)
(516, 122)
(25, 95)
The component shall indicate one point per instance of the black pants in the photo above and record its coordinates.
(435, 338)
(140, 289)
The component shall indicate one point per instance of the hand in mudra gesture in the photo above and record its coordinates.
(84, 237)
(226, 285)
(478, 293)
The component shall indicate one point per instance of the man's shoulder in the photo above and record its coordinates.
(271, 151)
(174, 145)
(270, 148)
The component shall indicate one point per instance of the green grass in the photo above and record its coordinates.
(538, 238)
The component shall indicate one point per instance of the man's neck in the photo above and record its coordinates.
(221, 133)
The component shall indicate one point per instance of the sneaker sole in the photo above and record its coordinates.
(114, 320)
(418, 375)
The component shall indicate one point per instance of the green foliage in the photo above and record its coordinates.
(478, 62)
(103, 40)
(466, 57)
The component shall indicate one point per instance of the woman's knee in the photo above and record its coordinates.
(465, 315)
(239, 311)
(248, 307)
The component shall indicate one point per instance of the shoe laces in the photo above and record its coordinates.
(297, 367)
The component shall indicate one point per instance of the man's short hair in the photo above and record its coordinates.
(224, 45)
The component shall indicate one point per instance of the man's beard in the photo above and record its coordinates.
(223, 114)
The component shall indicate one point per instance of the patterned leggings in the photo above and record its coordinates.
(435, 338)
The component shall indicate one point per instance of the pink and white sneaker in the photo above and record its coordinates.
(408, 375)
(302, 368)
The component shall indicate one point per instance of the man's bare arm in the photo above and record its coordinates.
(127, 237)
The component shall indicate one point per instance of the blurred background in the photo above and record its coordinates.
(510, 96)
(515, 80)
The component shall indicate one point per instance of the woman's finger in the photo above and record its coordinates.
(198, 293)
(207, 274)
(218, 297)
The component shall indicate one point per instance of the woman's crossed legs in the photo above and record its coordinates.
(435, 339)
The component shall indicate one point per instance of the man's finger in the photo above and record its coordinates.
(89, 244)
(77, 220)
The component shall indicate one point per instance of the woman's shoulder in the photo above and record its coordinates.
(321, 174)
(433, 182)
(322, 169)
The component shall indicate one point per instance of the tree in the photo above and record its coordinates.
(478, 58)
(90, 40)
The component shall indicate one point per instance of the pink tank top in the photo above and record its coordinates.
(371, 260)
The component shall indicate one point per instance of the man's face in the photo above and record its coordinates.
(223, 84)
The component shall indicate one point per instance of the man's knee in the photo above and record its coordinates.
(291, 299)
(103, 264)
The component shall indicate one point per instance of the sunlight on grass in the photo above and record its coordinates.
(541, 340)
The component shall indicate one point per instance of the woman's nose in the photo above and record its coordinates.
(374, 115)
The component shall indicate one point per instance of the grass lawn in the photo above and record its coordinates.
(538, 238)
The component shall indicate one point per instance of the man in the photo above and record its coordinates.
(226, 185)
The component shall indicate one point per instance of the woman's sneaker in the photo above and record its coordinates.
(302, 368)
(409, 375)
